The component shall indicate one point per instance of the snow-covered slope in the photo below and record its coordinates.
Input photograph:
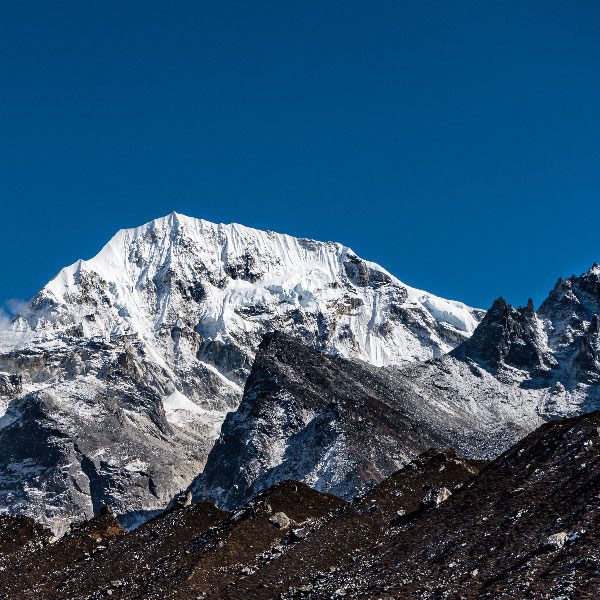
(188, 279)
(127, 364)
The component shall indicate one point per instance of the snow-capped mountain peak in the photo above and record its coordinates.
(228, 283)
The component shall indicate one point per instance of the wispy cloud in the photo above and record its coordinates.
(9, 310)
(4, 319)
(15, 306)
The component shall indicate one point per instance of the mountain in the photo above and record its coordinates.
(527, 366)
(116, 377)
(188, 287)
(335, 424)
(341, 425)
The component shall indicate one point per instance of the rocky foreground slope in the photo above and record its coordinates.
(116, 377)
(199, 551)
(523, 526)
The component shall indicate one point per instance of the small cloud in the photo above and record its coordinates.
(15, 307)
(11, 308)
(4, 319)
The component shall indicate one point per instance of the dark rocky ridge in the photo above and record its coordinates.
(185, 553)
(19, 536)
(47, 563)
(507, 336)
(335, 424)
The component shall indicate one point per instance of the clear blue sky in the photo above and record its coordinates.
(456, 143)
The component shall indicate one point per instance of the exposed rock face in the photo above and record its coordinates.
(558, 343)
(508, 336)
(115, 380)
(555, 541)
(69, 449)
(435, 496)
(337, 425)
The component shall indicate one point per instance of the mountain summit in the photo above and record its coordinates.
(195, 281)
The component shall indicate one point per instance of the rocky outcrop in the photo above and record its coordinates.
(280, 520)
(570, 307)
(507, 336)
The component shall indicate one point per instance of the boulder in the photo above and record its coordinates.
(554, 542)
(184, 499)
(280, 520)
(435, 496)
(297, 535)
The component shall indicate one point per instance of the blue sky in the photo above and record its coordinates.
(454, 142)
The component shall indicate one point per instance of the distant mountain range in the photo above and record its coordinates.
(223, 359)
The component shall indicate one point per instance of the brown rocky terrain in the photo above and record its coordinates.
(20, 535)
(186, 552)
(524, 526)
(361, 526)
